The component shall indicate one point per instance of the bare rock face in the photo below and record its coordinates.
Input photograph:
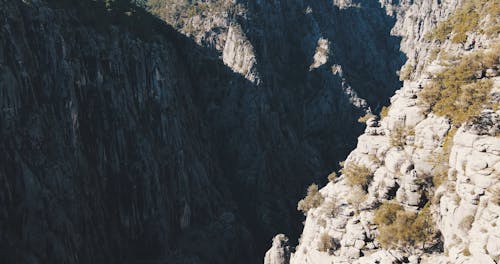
(239, 54)
(314, 67)
(279, 253)
(101, 143)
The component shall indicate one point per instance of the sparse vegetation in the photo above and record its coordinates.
(399, 134)
(178, 13)
(398, 137)
(384, 112)
(332, 176)
(440, 161)
(496, 195)
(440, 176)
(466, 251)
(472, 16)
(406, 71)
(456, 92)
(312, 200)
(466, 223)
(356, 198)
(403, 229)
(326, 243)
(330, 208)
(433, 55)
(366, 117)
(357, 175)
(321, 222)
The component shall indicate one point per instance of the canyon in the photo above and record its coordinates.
(187, 131)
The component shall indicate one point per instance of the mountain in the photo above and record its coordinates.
(423, 183)
(123, 140)
(176, 131)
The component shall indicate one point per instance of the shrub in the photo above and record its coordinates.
(384, 112)
(398, 137)
(356, 198)
(386, 213)
(423, 226)
(433, 55)
(439, 177)
(466, 223)
(312, 200)
(326, 243)
(467, 18)
(496, 196)
(321, 222)
(356, 174)
(366, 117)
(406, 71)
(330, 208)
(456, 92)
(440, 161)
(403, 229)
(466, 251)
(332, 176)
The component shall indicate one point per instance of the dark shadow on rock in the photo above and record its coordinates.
(124, 141)
(317, 103)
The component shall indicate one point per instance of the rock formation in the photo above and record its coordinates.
(429, 166)
(189, 137)
(122, 139)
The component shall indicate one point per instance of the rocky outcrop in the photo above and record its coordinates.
(124, 140)
(279, 252)
(406, 153)
(106, 156)
(413, 20)
(467, 211)
(239, 55)
(310, 71)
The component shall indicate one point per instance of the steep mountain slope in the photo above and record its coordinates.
(105, 155)
(320, 65)
(422, 184)
(124, 141)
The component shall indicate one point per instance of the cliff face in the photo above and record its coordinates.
(438, 171)
(318, 66)
(122, 140)
(106, 156)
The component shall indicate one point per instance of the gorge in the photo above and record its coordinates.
(174, 131)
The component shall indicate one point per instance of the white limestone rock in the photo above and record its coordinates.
(279, 253)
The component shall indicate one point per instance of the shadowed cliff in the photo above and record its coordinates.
(124, 141)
